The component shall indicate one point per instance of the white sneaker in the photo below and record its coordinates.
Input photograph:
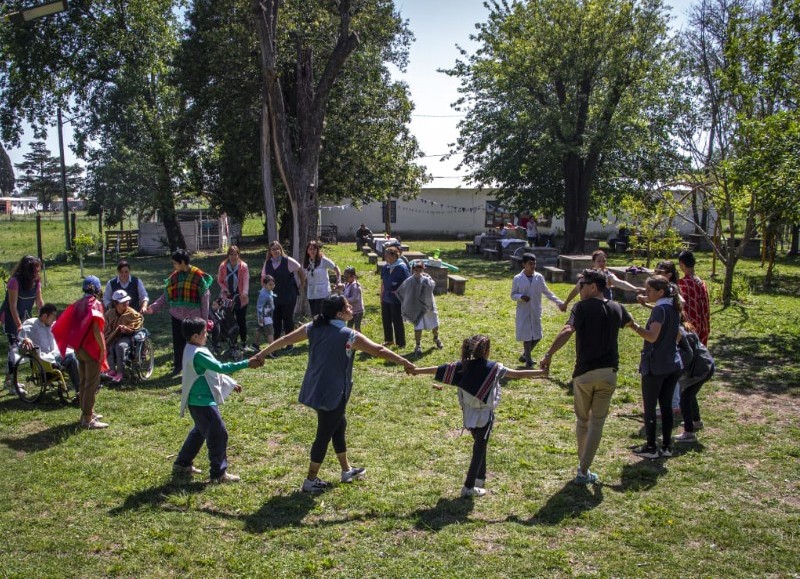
(473, 492)
(226, 478)
(314, 486)
(93, 424)
(355, 473)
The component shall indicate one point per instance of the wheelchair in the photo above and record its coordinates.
(140, 359)
(36, 375)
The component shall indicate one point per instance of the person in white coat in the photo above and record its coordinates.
(527, 288)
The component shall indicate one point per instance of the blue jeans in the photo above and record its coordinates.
(209, 428)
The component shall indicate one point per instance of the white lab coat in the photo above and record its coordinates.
(529, 314)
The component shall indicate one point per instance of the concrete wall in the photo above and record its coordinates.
(442, 212)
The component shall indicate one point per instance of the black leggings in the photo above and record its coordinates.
(331, 426)
(241, 321)
(477, 465)
(689, 407)
(658, 389)
(283, 319)
(178, 344)
(393, 330)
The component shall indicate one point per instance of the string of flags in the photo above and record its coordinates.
(408, 207)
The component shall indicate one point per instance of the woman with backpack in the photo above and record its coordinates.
(698, 368)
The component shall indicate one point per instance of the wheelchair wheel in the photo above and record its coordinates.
(29, 373)
(144, 360)
(66, 391)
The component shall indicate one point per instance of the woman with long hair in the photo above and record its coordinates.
(23, 294)
(328, 382)
(233, 278)
(316, 267)
(283, 270)
(660, 364)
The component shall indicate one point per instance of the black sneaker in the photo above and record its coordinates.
(646, 451)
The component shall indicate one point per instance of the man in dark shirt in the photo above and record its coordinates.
(597, 322)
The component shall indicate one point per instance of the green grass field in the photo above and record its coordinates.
(79, 503)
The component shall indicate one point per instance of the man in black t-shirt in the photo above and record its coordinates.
(597, 322)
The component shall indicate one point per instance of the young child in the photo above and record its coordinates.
(204, 387)
(352, 293)
(265, 307)
(478, 381)
(418, 304)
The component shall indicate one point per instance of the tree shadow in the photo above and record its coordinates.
(49, 402)
(280, 511)
(640, 476)
(764, 364)
(445, 512)
(155, 497)
(43, 439)
(568, 503)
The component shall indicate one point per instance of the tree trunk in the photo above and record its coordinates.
(795, 235)
(165, 203)
(270, 216)
(576, 203)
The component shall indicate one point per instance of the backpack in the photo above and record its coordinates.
(698, 363)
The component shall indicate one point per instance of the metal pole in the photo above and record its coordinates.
(68, 241)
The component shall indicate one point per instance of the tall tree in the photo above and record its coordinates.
(568, 105)
(40, 175)
(320, 36)
(7, 179)
(108, 63)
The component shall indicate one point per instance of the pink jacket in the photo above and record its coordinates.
(244, 281)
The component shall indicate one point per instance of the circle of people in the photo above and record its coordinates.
(92, 337)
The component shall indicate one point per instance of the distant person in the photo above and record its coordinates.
(599, 262)
(265, 310)
(204, 387)
(697, 308)
(38, 332)
(283, 270)
(328, 382)
(316, 266)
(418, 304)
(531, 231)
(478, 382)
(527, 289)
(363, 236)
(393, 274)
(353, 295)
(233, 278)
(132, 285)
(660, 364)
(186, 293)
(23, 294)
(80, 327)
(121, 323)
(596, 322)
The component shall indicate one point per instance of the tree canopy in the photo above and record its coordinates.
(569, 105)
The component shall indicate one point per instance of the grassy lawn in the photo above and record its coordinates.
(79, 503)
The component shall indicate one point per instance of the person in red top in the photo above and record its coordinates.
(697, 308)
(80, 327)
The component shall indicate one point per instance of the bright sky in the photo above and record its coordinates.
(438, 26)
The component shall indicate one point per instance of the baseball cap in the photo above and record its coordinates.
(120, 296)
(91, 283)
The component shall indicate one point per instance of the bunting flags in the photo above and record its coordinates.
(409, 207)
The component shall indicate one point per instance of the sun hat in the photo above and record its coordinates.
(121, 296)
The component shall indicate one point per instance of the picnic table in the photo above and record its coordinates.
(573, 265)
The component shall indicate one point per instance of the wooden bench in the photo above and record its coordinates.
(553, 274)
(471, 248)
(515, 262)
(366, 250)
(373, 258)
(379, 267)
(491, 253)
(122, 241)
(456, 284)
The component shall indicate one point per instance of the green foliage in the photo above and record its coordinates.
(569, 105)
(740, 293)
(651, 223)
(7, 179)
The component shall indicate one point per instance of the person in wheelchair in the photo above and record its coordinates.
(38, 332)
(122, 322)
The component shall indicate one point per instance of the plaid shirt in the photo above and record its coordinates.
(697, 307)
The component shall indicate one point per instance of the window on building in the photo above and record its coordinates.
(496, 215)
(392, 209)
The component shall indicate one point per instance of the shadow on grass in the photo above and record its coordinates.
(640, 476)
(279, 512)
(154, 497)
(43, 439)
(445, 512)
(764, 364)
(568, 503)
(47, 403)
